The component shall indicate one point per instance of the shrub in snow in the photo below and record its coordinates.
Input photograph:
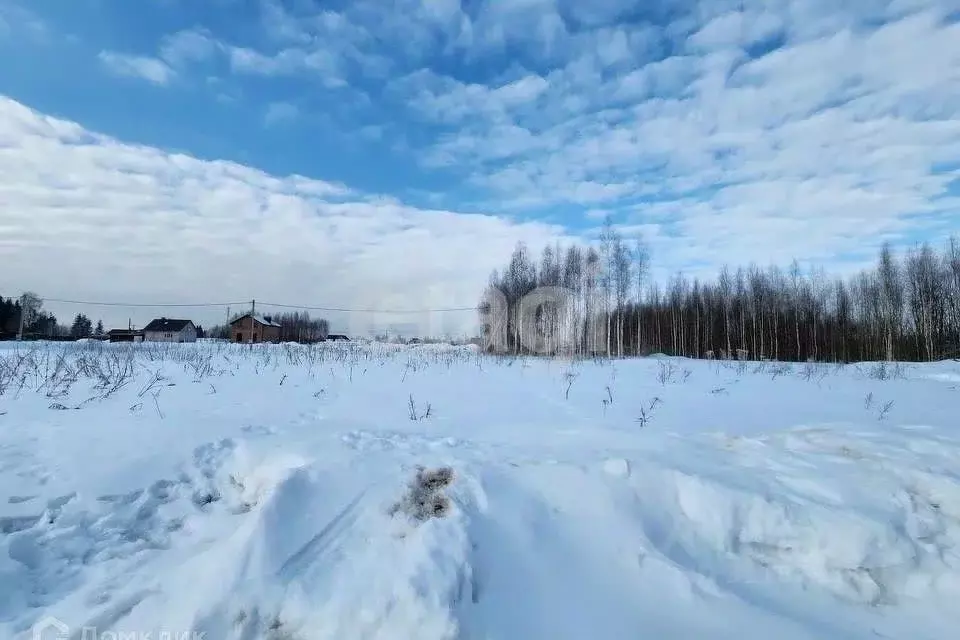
(416, 415)
(425, 498)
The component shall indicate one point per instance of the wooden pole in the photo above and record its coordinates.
(23, 315)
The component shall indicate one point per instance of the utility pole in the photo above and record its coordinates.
(23, 315)
(253, 319)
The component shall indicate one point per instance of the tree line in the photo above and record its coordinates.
(906, 307)
(36, 322)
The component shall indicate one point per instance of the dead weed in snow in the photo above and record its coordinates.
(425, 498)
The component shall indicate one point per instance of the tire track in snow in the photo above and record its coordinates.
(340, 523)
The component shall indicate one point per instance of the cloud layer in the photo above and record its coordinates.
(149, 69)
(725, 131)
(86, 217)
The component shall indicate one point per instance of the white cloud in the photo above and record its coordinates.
(278, 112)
(141, 224)
(316, 43)
(322, 64)
(321, 45)
(442, 12)
(533, 26)
(372, 132)
(520, 91)
(381, 40)
(145, 68)
(192, 45)
(448, 100)
(599, 12)
(17, 20)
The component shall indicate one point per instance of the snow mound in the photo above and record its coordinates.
(325, 560)
(869, 528)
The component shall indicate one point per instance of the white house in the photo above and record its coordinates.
(167, 330)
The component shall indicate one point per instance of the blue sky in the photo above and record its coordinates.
(355, 137)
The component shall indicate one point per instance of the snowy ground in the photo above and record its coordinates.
(247, 493)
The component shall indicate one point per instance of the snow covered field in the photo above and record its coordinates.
(247, 493)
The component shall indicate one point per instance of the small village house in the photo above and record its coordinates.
(170, 330)
(250, 328)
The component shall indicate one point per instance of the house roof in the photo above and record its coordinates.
(259, 319)
(167, 325)
(120, 332)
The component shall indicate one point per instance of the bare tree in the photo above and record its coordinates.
(621, 284)
(952, 294)
(641, 267)
(926, 302)
(608, 237)
(892, 301)
(573, 279)
(726, 299)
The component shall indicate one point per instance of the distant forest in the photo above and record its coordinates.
(907, 307)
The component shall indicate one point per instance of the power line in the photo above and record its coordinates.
(265, 304)
(346, 310)
(141, 304)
